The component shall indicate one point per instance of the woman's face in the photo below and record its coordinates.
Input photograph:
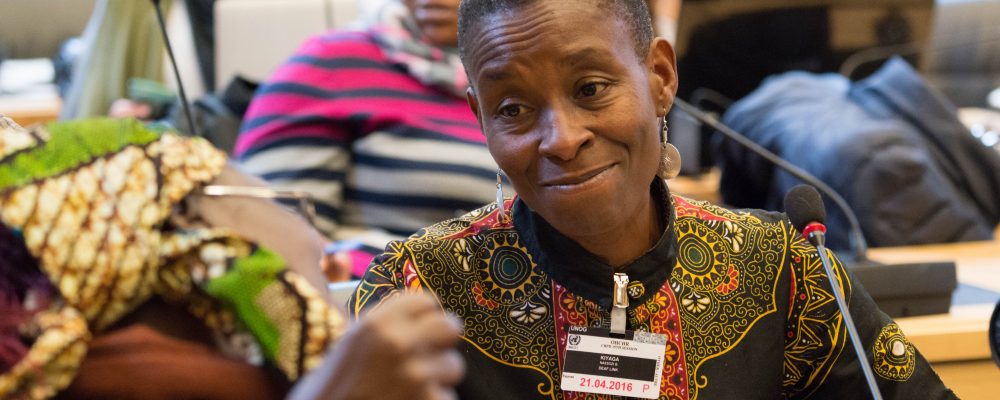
(570, 111)
(437, 20)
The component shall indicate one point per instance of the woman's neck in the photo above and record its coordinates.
(640, 232)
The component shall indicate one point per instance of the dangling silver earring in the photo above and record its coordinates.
(670, 158)
(501, 212)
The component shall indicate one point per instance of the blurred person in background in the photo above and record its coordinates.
(122, 41)
(374, 125)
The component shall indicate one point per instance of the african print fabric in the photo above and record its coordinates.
(741, 298)
(91, 200)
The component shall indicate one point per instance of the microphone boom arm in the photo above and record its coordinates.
(173, 63)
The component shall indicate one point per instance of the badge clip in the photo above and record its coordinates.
(620, 300)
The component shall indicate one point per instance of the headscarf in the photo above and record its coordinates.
(397, 34)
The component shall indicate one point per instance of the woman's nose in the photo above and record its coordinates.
(563, 136)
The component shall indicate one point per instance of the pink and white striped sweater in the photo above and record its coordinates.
(382, 153)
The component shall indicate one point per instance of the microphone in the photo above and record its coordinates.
(900, 289)
(805, 210)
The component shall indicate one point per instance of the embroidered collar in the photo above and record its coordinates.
(583, 273)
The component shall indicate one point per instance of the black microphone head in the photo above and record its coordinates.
(803, 205)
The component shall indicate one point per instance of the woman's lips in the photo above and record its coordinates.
(576, 180)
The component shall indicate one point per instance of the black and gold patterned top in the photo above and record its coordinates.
(742, 298)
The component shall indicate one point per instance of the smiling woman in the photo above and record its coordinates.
(559, 117)
(704, 302)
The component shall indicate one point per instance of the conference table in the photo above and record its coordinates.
(30, 109)
(956, 343)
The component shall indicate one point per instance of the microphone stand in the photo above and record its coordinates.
(177, 74)
(818, 239)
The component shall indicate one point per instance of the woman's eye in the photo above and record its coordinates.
(510, 111)
(592, 89)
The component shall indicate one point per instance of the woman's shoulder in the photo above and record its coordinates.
(451, 239)
(704, 211)
(479, 222)
(340, 43)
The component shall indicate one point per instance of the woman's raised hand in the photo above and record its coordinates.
(404, 349)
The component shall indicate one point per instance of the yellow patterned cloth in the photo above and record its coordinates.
(93, 201)
(742, 299)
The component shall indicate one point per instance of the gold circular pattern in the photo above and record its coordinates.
(505, 269)
(703, 253)
(894, 356)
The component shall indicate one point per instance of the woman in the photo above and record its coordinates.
(374, 125)
(569, 95)
(121, 276)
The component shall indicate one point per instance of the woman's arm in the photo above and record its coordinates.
(820, 360)
(403, 350)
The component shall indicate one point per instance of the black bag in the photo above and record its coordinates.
(217, 116)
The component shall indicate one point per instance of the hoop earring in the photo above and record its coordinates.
(670, 158)
(501, 212)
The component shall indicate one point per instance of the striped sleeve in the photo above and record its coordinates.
(381, 153)
(297, 131)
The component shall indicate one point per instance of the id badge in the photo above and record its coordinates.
(620, 365)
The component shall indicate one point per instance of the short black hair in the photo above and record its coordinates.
(635, 13)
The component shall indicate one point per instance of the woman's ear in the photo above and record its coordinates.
(470, 97)
(663, 70)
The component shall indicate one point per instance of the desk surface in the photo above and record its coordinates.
(962, 333)
(31, 109)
